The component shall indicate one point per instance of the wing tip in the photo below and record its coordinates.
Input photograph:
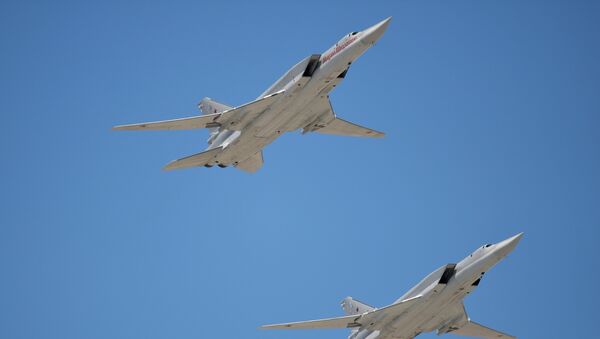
(372, 134)
(171, 166)
(274, 326)
(128, 127)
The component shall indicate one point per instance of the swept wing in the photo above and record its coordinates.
(337, 126)
(234, 119)
(474, 329)
(351, 321)
(342, 127)
(198, 159)
(470, 328)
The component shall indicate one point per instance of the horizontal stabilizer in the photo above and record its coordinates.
(200, 159)
(234, 119)
(351, 321)
(342, 127)
(473, 329)
(252, 164)
(353, 306)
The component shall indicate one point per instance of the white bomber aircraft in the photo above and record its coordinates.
(434, 304)
(298, 100)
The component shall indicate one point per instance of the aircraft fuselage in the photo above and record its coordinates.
(442, 293)
(298, 100)
(296, 109)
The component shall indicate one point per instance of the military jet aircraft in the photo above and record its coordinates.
(298, 100)
(434, 304)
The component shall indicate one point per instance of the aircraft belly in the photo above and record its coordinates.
(305, 116)
(276, 126)
(278, 121)
(294, 110)
(434, 316)
(241, 149)
(270, 122)
(422, 318)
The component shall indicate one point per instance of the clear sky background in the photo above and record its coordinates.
(492, 115)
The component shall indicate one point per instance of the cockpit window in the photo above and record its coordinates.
(487, 245)
(353, 33)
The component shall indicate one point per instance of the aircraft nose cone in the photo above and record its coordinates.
(508, 245)
(373, 33)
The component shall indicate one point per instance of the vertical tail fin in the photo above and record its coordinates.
(352, 307)
(209, 106)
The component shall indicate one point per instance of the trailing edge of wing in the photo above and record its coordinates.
(342, 127)
(340, 322)
(199, 159)
(350, 321)
(474, 329)
(234, 119)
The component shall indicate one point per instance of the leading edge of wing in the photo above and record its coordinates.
(340, 126)
(201, 121)
(198, 159)
(350, 321)
(339, 322)
(234, 119)
(473, 329)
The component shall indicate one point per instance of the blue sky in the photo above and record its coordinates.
(492, 116)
